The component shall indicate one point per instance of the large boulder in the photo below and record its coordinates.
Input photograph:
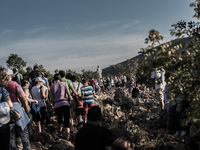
(62, 145)
(44, 138)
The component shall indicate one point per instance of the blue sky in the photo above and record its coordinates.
(81, 34)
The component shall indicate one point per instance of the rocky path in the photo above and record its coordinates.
(137, 120)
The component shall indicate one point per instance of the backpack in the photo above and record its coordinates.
(16, 79)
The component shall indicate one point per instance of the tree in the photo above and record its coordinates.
(14, 61)
(88, 74)
(56, 71)
(28, 70)
(181, 62)
(129, 70)
(154, 37)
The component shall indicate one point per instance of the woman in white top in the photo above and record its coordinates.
(38, 111)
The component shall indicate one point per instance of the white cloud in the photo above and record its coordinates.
(76, 51)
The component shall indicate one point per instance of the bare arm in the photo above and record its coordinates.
(27, 97)
(22, 99)
(82, 95)
(68, 94)
(73, 90)
(8, 100)
(46, 93)
(51, 98)
(43, 93)
(21, 77)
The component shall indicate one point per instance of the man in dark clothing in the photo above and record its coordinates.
(33, 75)
(135, 92)
(94, 137)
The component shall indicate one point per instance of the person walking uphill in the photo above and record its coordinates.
(94, 137)
(17, 76)
(19, 136)
(58, 96)
(87, 93)
(38, 111)
(72, 91)
(4, 119)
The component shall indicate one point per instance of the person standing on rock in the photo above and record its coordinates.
(158, 76)
(94, 137)
(99, 72)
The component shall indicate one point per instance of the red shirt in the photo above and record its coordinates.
(11, 88)
(92, 82)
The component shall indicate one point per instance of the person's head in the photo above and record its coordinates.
(62, 73)
(15, 70)
(94, 114)
(3, 79)
(57, 77)
(25, 83)
(85, 81)
(8, 73)
(39, 81)
(39, 74)
(35, 67)
(74, 78)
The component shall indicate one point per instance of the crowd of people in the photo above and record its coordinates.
(70, 98)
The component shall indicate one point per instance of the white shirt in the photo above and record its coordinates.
(75, 85)
(157, 75)
(36, 93)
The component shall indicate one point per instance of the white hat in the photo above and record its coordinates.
(4, 113)
(8, 71)
(39, 79)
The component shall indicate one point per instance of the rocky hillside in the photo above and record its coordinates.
(112, 71)
(137, 120)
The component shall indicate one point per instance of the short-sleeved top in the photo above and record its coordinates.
(100, 83)
(36, 93)
(92, 82)
(108, 82)
(69, 83)
(59, 94)
(93, 137)
(19, 75)
(157, 75)
(3, 94)
(11, 88)
(88, 94)
(77, 86)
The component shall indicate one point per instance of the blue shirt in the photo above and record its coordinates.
(3, 93)
(88, 94)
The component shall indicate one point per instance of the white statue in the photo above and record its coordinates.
(99, 72)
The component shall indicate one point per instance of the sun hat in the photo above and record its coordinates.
(8, 71)
(4, 113)
(39, 79)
